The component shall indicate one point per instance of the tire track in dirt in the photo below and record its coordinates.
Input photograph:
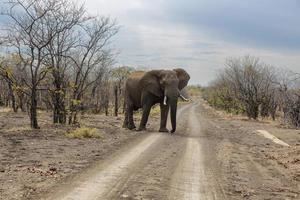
(152, 175)
(191, 179)
(102, 183)
(186, 184)
(99, 183)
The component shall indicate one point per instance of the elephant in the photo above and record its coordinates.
(145, 89)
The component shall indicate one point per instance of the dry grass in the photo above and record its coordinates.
(155, 110)
(85, 132)
(5, 110)
(18, 129)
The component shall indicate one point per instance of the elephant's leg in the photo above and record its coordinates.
(128, 121)
(146, 112)
(130, 118)
(125, 123)
(164, 110)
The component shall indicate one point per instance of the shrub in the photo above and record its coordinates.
(155, 110)
(246, 85)
(85, 132)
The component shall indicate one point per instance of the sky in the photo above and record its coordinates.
(199, 35)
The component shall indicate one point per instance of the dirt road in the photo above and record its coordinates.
(207, 158)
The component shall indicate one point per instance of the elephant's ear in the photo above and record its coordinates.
(183, 77)
(151, 82)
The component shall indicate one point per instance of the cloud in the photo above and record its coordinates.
(256, 23)
(199, 35)
(261, 23)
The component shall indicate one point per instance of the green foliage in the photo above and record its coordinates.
(221, 97)
(155, 110)
(85, 132)
(75, 102)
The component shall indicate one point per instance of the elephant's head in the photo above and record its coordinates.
(167, 85)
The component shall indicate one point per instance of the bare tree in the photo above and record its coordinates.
(14, 74)
(63, 25)
(27, 35)
(92, 51)
(247, 78)
(246, 85)
(58, 42)
(289, 88)
(269, 93)
(119, 75)
(101, 87)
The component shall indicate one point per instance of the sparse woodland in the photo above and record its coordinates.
(249, 86)
(57, 57)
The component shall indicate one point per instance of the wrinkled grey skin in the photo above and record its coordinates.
(145, 89)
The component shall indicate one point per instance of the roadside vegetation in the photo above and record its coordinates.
(57, 57)
(194, 90)
(248, 86)
(84, 132)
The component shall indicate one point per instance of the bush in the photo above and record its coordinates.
(221, 97)
(246, 85)
(155, 110)
(85, 132)
(194, 90)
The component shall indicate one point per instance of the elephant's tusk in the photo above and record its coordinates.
(183, 98)
(165, 100)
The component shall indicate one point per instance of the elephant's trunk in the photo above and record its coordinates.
(173, 112)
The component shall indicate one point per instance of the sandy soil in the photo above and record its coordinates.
(32, 161)
(209, 157)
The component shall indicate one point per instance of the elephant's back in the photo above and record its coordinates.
(134, 78)
(137, 75)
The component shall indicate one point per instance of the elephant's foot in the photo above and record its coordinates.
(128, 125)
(164, 130)
(141, 128)
(131, 126)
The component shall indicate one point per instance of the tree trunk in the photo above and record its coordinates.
(252, 110)
(33, 109)
(70, 118)
(21, 102)
(1, 101)
(106, 110)
(58, 98)
(7, 101)
(12, 97)
(106, 106)
(59, 111)
(116, 100)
